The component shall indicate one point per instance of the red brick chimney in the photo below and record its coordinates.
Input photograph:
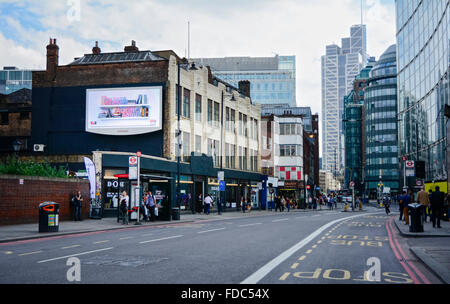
(132, 47)
(244, 87)
(96, 50)
(52, 58)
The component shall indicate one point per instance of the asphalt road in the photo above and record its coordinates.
(287, 248)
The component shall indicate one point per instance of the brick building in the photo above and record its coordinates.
(107, 106)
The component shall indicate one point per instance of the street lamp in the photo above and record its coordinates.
(17, 144)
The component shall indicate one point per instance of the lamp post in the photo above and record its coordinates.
(137, 193)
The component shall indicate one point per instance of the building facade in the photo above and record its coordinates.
(272, 79)
(381, 146)
(339, 67)
(423, 84)
(353, 121)
(107, 106)
(13, 79)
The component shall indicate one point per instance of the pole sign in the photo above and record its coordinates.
(220, 175)
(132, 167)
(352, 184)
(409, 165)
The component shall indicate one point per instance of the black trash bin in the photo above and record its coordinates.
(175, 213)
(49, 217)
(415, 210)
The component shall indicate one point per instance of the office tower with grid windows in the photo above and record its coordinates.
(340, 66)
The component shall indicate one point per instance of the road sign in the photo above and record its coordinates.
(220, 175)
(138, 153)
(222, 185)
(352, 184)
(132, 161)
(410, 172)
(404, 158)
(410, 164)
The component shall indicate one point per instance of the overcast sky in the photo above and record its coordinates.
(218, 28)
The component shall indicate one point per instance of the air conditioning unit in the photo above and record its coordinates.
(38, 148)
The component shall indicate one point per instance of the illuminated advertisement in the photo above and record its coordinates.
(124, 111)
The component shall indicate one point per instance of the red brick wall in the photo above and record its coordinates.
(19, 203)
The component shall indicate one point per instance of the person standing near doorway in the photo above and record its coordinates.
(437, 205)
(208, 201)
(124, 203)
(78, 203)
(424, 200)
(151, 203)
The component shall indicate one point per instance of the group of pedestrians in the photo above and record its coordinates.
(432, 205)
(282, 202)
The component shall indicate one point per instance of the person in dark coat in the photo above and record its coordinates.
(437, 204)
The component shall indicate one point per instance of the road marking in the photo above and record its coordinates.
(8, 252)
(73, 246)
(161, 239)
(30, 253)
(206, 231)
(294, 265)
(274, 221)
(302, 258)
(314, 246)
(74, 255)
(246, 225)
(127, 238)
(149, 234)
(266, 269)
(309, 251)
(100, 242)
(284, 276)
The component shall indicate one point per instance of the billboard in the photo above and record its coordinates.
(124, 111)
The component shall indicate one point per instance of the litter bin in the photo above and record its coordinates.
(49, 217)
(176, 214)
(415, 211)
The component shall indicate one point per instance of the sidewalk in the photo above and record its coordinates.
(436, 257)
(31, 231)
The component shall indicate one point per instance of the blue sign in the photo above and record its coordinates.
(317, 188)
(222, 185)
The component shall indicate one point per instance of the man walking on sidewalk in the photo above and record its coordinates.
(437, 204)
(424, 201)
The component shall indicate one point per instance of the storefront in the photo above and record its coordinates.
(291, 190)
(197, 179)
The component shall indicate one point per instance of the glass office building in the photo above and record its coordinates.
(272, 79)
(381, 146)
(12, 79)
(423, 83)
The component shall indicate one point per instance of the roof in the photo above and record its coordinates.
(117, 57)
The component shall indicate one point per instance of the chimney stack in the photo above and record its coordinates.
(244, 87)
(52, 58)
(96, 50)
(131, 48)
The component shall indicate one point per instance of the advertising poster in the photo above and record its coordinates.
(124, 111)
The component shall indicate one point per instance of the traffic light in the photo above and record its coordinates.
(420, 169)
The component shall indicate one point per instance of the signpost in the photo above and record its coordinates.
(352, 186)
(221, 180)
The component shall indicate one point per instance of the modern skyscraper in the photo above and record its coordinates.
(272, 79)
(380, 123)
(423, 34)
(340, 65)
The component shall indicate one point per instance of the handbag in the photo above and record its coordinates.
(156, 211)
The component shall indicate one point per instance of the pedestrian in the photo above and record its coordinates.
(437, 205)
(400, 205)
(151, 203)
(78, 203)
(277, 203)
(288, 204)
(424, 200)
(407, 199)
(208, 202)
(243, 204)
(283, 203)
(124, 203)
(387, 204)
(429, 206)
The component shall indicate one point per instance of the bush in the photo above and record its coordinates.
(14, 166)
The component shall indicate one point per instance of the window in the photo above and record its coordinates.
(233, 121)
(290, 150)
(216, 113)
(24, 115)
(186, 103)
(241, 127)
(232, 156)
(198, 144)
(245, 125)
(210, 111)
(245, 163)
(5, 119)
(198, 107)
(186, 148)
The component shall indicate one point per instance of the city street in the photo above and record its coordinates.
(289, 248)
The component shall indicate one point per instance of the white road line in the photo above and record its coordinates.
(246, 225)
(211, 230)
(100, 242)
(274, 221)
(29, 253)
(73, 255)
(73, 246)
(166, 238)
(149, 234)
(266, 269)
(127, 237)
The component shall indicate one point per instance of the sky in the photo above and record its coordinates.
(218, 28)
